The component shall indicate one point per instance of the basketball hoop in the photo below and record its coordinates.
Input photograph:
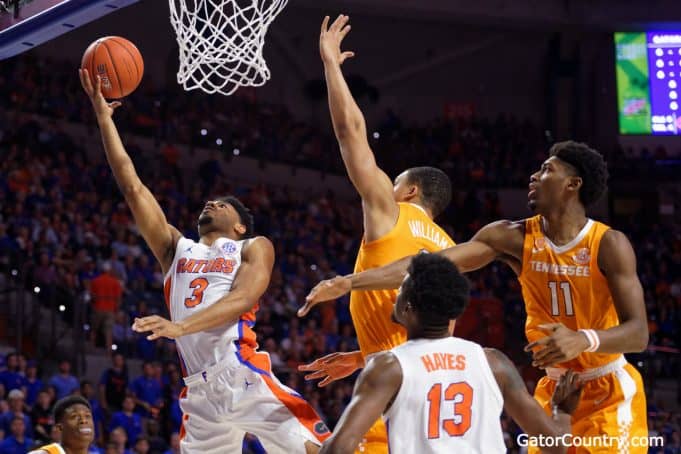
(221, 42)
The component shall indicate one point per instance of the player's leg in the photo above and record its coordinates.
(281, 419)
(614, 406)
(203, 431)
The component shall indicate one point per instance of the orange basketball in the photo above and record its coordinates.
(119, 64)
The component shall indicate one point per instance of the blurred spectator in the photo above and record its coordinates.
(114, 384)
(15, 400)
(64, 382)
(106, 293)
(10, 377)
(33, 383)
(118, 442)
(130, 421)
(141, 446)
(42, 418)
(17, 442)
(146, 389)
(156, 442)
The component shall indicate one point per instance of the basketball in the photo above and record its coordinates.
(118, 62)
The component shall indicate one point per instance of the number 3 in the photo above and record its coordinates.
(462, 395)
(199, 285)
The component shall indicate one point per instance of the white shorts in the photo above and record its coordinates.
(223, 403)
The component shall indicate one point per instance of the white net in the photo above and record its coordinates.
(221, 42)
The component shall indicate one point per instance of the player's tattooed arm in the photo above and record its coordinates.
(617, 261)
(525, 410)
(149, 217)
(375, 390)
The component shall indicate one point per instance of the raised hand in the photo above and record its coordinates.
(327, 290)
(331, 38)
(333, 367)
(568, 392)
(159, 327)
(102, 108)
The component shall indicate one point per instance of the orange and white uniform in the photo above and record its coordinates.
(563, 284)
(54, 448)
(230, 387)
(371, 310)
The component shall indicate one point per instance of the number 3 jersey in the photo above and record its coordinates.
(563, 284)
(449, 400)
(199, 276)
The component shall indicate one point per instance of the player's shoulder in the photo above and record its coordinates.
(257, 246)
(258, 242)
(382, 364)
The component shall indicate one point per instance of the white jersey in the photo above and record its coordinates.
(199, 276)
(449, 400)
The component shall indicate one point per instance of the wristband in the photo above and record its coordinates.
(592, 337)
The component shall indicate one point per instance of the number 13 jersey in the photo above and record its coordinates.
(563, 284)
(199, 276)
(449, 400)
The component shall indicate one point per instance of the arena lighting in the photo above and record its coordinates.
(204, 132)
(62, 308)
(15, 272)
(377, 135)
(36, 289)
(218, 142)
(236, 152)
(86, 327)
(313, 267)
(114, 347)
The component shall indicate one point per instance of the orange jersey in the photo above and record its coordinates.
(413, 232)
(563, 284)
(53, 448)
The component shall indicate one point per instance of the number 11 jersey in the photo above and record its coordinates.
(563, 284)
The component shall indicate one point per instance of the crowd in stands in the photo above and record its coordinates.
(64, 227)
(493, 153)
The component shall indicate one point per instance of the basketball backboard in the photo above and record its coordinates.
(25, 24)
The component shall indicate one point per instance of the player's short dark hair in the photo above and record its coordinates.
(435, 187)
(588, 164)
(245, 216)
(436, 289)
(67, 402)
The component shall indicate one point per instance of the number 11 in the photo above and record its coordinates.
(567, 295)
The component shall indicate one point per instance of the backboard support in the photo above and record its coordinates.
(25, 24)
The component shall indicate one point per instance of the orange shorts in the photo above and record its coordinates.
(375, 441)
(613, 405)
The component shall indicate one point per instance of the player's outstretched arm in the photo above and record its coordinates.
(332, 367)
(374, 186)
(498, 240)
(150, 219)
(375, 389)
(250, 283)
(526, 411)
